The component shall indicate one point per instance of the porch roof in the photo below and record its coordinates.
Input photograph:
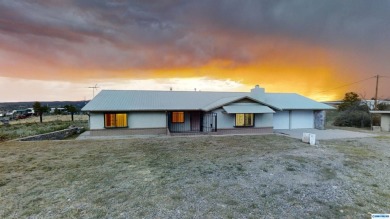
(248, 109)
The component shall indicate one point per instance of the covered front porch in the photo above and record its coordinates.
(191, 122)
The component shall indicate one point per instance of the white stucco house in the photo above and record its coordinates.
(127, 112)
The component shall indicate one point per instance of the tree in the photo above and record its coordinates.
(39, 109)
(352, 112)
(72, 109)
(57, 111)
(383, 106)
(351, 101)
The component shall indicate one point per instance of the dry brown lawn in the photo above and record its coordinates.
(195, 177)
(50, 118)
(32, 126)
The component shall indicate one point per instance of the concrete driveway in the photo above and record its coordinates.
(324, 134)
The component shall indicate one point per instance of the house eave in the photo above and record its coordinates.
(139, 110)
(288, 109)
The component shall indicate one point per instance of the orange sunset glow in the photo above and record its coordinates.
(52, 50)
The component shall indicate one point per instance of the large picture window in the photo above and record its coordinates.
(178, 117)
(115, 120)
(244, 119)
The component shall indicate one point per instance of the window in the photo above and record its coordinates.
(115, 120)
(244, 119)
(178, 117)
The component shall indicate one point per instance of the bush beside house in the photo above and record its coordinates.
(352, 113)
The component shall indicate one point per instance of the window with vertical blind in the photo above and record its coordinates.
(244, 119)
(177, 117)
(115, 120)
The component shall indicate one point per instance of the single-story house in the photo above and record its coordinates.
(385, 119)
(126, 112)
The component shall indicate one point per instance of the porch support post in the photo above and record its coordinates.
(216, 122)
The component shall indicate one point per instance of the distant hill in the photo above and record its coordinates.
(51, 104)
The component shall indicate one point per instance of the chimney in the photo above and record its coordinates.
(258, 93)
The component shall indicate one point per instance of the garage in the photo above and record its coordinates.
(294, 119)
(281, 120)
(301, 119)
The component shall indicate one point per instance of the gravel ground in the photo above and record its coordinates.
(268, 176)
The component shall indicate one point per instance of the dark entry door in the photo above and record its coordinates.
(195, 121)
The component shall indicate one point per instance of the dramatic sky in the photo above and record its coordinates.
(55, 50)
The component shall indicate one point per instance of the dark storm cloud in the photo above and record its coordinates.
(151, 34)
(115, 21)
(309, 19)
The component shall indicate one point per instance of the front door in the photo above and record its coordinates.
(195, 121)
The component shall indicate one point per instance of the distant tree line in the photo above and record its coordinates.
(40, 110)
(383, 106)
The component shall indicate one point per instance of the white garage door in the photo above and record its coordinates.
(281, 120)
(302, 119)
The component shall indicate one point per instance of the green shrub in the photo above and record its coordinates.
(4, 137)
(353, 119)
(376, 120)
(383, 106)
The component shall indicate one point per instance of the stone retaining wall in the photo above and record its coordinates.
(57, 135)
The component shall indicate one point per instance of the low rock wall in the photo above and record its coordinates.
(57, 135)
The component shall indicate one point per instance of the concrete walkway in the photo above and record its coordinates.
(324, 134)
